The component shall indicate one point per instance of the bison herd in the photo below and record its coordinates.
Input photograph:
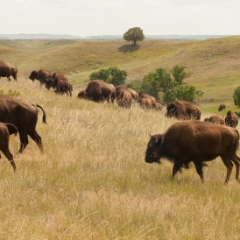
(186, 141)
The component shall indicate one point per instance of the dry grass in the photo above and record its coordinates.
(92, 181)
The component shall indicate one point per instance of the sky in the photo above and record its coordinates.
(114, 17)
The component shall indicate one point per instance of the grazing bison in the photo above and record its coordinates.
(7, 70)
(98, 90)
(144, 95)
(145, 103)
(133, 93)
(157, 106)
(202, 141)
(40, 75)
(64, 87)
(124, 99)
(231, 119)
(6, 129)
(24, 115)
(215, 119)
(221, 107)
(183, 110)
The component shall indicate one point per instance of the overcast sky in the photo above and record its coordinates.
(114, 17)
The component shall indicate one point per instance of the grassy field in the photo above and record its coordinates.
(92, 181)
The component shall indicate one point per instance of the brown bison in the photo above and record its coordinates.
(221, 107)
(7, 70)
(183, 110)
(231, 119)
(215, 119)
(124, 99)
(133, 93)
(145, 103)
(157, 106)
(6, 129)
(41, 75)
(144, 95)
(24, 115)
(98, 90)
(64, 87)
(202, 141)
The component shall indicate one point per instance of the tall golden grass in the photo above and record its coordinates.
(92, 181)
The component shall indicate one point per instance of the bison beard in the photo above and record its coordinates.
(195, 141)
(24, 115)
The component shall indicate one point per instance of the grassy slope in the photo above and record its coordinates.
(214, 63)
(92, 181)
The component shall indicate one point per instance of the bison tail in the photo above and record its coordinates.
(12, 129)
(44, 114)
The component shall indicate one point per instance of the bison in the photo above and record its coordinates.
(124, 99)
(157, 106)
(183, 110)
(41, 75)
(98, 90)
(6, 129)
(195, 141)
(221, 107)
(7, 70)
(145, 103)
(64, 87)
(24, 115)
(215, 119)
(231, 119)
(133, 93)
(144, 95)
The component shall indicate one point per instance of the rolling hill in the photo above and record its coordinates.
(214, 63)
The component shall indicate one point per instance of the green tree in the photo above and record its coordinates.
(182, 92)
(117, 76)
(236, 96)
(179, 74)
(133, 35)
(102, 74)
(111, 75)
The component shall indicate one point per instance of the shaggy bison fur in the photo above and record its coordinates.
(98, 90)
(183, 110)
(198, 142)
(24, 115)
(231, 119)
(7, 70)
(215, 119)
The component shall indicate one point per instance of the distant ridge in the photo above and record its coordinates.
(23, 36)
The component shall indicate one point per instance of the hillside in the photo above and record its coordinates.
(214, 63)
(92, 181)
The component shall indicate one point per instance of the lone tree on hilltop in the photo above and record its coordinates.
(133, 35)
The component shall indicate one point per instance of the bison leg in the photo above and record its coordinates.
(9, 156)
(37, 139)
(229, 166)
(236, 161)
(198, 166)
(176, 167)
(23, 141)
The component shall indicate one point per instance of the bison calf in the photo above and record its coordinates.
(6, 129)
(195, 141)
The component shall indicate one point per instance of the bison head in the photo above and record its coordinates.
(82, 94)
(33, 75)
(153, 152)
(171, 110)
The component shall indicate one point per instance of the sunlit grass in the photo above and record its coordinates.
(92, 181)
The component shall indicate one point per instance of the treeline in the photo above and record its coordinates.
(164, 86)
